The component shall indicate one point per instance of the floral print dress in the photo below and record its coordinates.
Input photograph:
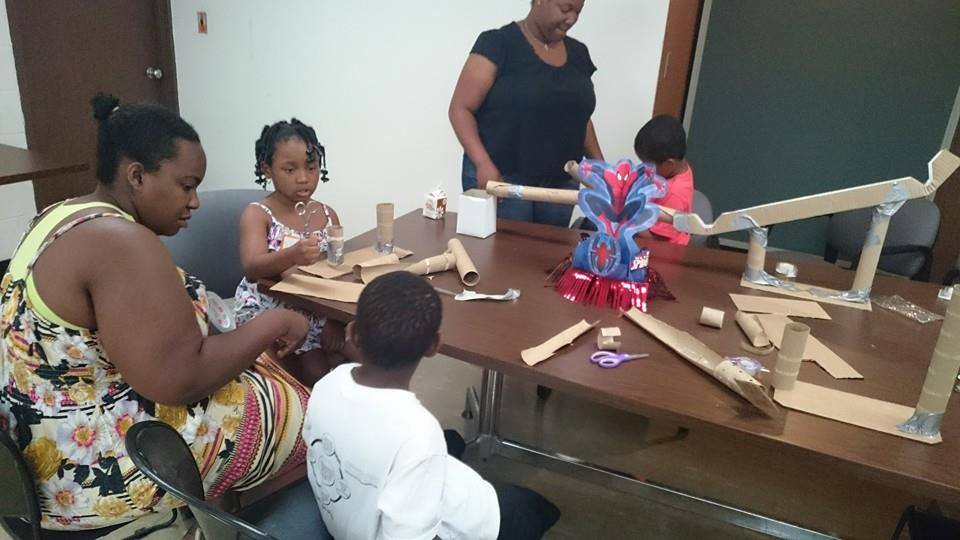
(69, 408)
(248, 302)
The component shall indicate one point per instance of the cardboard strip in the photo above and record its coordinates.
(782, 306)
(939, 168)
(548, 348)
(838, 368)
(324, 270)
(804, 293)
(848, 408)
(327, 289)
(695, 351)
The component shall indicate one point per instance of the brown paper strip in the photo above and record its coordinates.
(815, 350)
(304, 285)
(389, 259)
(848, 408)
(782, 306)
(368, 274)
(804, 293)
(324, 270)
(548, 348)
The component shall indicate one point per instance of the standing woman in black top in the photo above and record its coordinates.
(522, 108)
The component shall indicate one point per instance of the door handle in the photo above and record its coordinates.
(154, 73)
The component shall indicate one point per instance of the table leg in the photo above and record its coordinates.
(488, 443)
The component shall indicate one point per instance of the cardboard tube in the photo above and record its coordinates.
(790, 356)
(756, 254)
(750, 325)
(385, 223)
(945, 363)
(711, 317)
(573, 169)
(532, 193)
(432, 265)
(870, 255)
(468, 272)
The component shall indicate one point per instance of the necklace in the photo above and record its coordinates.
(523, 25)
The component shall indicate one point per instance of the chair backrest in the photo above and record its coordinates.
(18, 495)
(910, 236)
(163, 456)
(209, 247)
(702, 208)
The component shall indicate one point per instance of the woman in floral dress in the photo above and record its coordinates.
(100, 330)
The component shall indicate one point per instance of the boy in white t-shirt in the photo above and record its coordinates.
(378, 461)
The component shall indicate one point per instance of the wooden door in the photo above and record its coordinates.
(65, 52)
(679, 39)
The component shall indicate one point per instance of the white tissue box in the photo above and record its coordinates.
(435, 205)
(477, 214)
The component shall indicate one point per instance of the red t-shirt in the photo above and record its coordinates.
(679, 197)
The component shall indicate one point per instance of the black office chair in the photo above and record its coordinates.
(209, 247)
(907, 250)
(927, 524)
(953, 276)
(19, 508)
(163, 456)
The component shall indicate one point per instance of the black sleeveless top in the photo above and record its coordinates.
(534, 119)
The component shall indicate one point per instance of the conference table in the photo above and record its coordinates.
(891, 351)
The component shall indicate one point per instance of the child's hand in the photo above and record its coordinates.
(487, 173)
(306, 251)
(295, 327)
(333, 337)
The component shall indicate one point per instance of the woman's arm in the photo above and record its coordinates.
(591, 145)
(258, 262)
(475, 80)
(147, 325)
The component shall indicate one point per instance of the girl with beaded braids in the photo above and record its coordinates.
(288, 229)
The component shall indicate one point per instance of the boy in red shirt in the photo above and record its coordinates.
(663, 142)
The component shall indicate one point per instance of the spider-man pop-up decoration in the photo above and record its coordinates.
(608, 267)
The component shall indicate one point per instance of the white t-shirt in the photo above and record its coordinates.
(378, 465)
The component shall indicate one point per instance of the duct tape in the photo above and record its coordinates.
(745, 221)
(887, 209)
(761, 277)
(898, 194)
(515, 192)
(751, 366)
(926, 424)
(759, 235)
(859, 296)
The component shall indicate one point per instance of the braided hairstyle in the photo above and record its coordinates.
(283, 131)
(136, 131)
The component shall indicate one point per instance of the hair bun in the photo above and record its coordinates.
(103, 105)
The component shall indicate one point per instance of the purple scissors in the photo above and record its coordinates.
(607, 359)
